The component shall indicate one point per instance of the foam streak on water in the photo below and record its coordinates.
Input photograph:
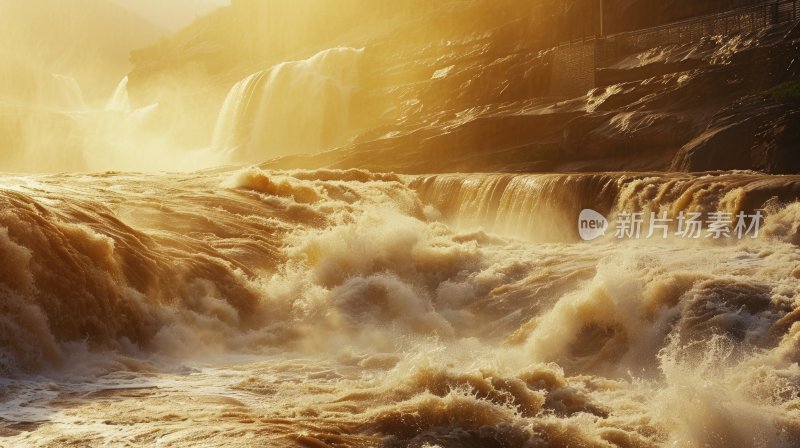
(349, 308)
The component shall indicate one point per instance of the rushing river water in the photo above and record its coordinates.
(349, 308)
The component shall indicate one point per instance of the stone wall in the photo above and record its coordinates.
(573, 68)
(574, 63)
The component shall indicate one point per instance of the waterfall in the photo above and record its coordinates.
(545, 207)
(534, 207)
(233, 111)
(68, 94)
(269, 113)
(119, 99)
(285, 124)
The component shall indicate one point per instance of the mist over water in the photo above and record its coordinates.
(265, 115)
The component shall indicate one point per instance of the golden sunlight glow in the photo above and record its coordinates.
(400, 223)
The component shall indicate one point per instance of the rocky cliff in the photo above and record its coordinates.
(466, 85)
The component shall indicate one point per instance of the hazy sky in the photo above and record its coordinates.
(171, 14)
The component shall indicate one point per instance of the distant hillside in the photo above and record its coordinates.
(89, 40)
(172, 15)
(257, 32)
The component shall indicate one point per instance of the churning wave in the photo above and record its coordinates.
(451, 310)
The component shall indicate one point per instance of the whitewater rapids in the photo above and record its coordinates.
(348, 308)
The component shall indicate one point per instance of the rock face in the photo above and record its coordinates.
(778, 148)
(466, 86)
(615, 134)
(753, 134)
